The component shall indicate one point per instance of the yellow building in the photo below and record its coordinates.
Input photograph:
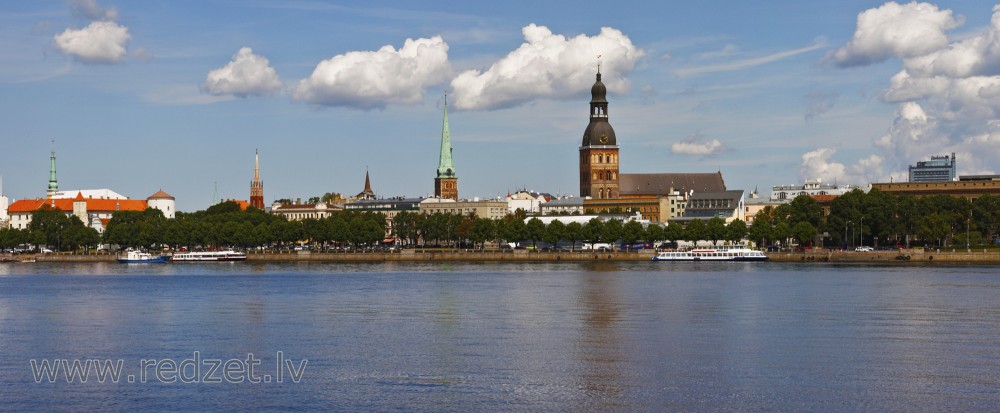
(969, 187)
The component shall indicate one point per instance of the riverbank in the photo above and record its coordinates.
(896, 256)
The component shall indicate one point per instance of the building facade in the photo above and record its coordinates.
(970, 187)
(704, 206)
(298, 211)
(481, 209)
(563, 206)
(390, 207)
(446, 182)
(938, 169)
(599, 163)
(94, 212)
(786, 193)
(256, 186)
(527, 201)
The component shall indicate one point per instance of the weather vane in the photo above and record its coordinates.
(598, 63)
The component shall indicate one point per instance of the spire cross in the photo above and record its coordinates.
(598, 63)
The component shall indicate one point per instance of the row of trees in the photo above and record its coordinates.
(875, 217)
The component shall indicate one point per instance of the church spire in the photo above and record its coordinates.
(368, 183)
(446, 169)
(256, 187)
(53, 183)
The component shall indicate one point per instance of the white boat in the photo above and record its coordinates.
(138, 257)
(228, 255)
(713, 254)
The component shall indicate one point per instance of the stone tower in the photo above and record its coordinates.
(599, 150)
(53, 183)
(256, 187)
(446, 182)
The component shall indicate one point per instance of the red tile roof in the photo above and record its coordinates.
(161, 195)
(93, 205)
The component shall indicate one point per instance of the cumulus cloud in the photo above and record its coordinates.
(818, 164)
(248, 74)
(548, 65)
(99, 42)
(900, 30)
(369, 80)
(697, 145)
(91, 10)
(947, 91)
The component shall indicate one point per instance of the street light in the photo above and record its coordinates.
(846, 224)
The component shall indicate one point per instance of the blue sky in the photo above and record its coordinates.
(144, 95)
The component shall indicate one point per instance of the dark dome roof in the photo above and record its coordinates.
(594, 133)
(598, 92)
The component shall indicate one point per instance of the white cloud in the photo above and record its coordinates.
(368, 80)
(697, 145)
(91, 10)
(747, 63)
(818, 164)
(896, 30)
(548, 65)
(248, 74)
(99, 42)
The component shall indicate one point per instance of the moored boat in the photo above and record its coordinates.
(228, 255)
(712, 254)
(138, 257)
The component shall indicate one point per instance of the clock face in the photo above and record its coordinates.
(603, 138)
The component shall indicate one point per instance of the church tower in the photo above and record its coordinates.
(53, 183)
(599, 150)
(256, 187)
(446, 182)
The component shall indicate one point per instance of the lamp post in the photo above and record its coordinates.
(862, 231)
(846, 224)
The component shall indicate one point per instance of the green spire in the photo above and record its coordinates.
(53, 183)
(445, 167)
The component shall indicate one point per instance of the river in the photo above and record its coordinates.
(408, 336)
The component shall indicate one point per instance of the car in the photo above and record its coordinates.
(864, 249)
(45, 251)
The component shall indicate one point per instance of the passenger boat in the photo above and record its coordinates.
(138, 257)
(713, 254)
(228, 255)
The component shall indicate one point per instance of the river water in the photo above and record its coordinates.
(506, 337)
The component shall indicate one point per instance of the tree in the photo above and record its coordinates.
(804, 232)
(573, 233)
(695, 231)
(715, 230)
(759, 231)
(654, 232)
(736, 231)
(781, 232)
(554, 232)
(611, 232)
(673, 232)
(535, 230)
(632, 231)
(482, 230)
(592, 231)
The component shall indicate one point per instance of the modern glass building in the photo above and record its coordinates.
(938, 169)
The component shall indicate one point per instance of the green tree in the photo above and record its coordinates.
(736, 231)
(592, 231)
(695, 231)
(535, 230)
(482, 229)
(632, 231)
(654, 233)
(611, 232)
(715, 230)
(554, 232)
(804, 233)
(674, 231)
(759, 231)
(573, 233)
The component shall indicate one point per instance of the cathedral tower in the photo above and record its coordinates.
(599, 150)
(256, 187)
(446, 182)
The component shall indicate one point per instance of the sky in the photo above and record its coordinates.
(140, 96)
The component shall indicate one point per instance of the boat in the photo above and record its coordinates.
(138, 257)
(228, 255)
(712, 254)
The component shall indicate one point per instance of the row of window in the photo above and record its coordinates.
(603, 158)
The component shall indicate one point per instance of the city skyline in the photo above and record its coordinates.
(143, 96)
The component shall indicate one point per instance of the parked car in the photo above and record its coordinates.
(864, 249)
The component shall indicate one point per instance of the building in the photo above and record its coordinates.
(786, 193)
(754, 203)
(298, 211)
(480, 209)
(367, 194)
(528, 201)
(599, 149)
(388, 206)
(4, 203)
(727, 205)
(88, 193)
(938, 169)
(94, 212)
(970, 187)
(256, 186)
(652, 208)
(563, 206)
(446, 182)
(674, 188)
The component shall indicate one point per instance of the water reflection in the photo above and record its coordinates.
(600, 347)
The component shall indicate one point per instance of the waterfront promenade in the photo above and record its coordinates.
(904, 256)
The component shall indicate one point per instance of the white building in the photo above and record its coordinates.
(94, 212)
(527, 201)
(89, 194)
(786, 193)
(567, 205)
(299, 211)
(4, 203)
